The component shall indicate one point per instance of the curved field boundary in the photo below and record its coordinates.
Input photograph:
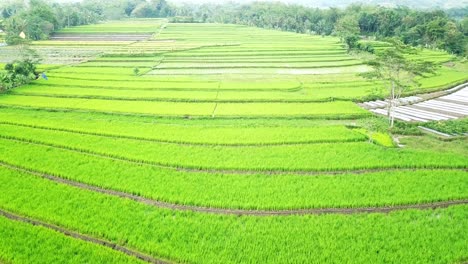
(224, 171)
(259, 67)
(207, 116)
(237, 60)
(184, 143)
(224, 211)
(253, 53)
(200, 47)
(122, 88)
(86, 238)
(93, 37)
(175, 99)
(183, 100)
(125, 79)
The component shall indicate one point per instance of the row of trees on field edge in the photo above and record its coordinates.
(431, 29)
(38, 19)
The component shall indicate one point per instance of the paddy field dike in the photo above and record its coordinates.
(207, 143)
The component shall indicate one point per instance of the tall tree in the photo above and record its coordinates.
(23, 69)
(347, 28)
(397, 68)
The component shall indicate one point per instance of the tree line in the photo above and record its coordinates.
(24, 21)
(432, 29)
(38, 19)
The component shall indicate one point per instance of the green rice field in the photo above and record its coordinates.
(213, 143)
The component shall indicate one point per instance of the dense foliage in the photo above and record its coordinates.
(433, 29)
(397, 69)
(38, 18)
(454, 127)
(23, 69)
(17, 73)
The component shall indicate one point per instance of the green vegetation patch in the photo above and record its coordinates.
(453, 127)
(244, 191)
(315, 157)
(25, 243)
(207, 238)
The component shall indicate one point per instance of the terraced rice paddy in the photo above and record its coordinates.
(231, 144)
(79, 44)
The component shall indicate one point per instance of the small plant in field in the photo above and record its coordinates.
(136, 71)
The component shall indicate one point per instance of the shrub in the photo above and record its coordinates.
(17, 73)
(136, 71)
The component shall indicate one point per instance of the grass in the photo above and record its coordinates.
(223, 116)
(453, 127)
(104, 70)
(127, 27)
(331, 109)
(203, 133)
(129, 83)
(457, 146)
(445, 78)
(240, 65)
(183, 109)
(25, 243)
(381, 138)
(319, 157)
(113, 64)
(205, 238)
(255, 191)
(261, 71)
(80, 43)
(109, 106)
(116, 94)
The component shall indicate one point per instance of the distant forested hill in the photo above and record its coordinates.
(420, 4)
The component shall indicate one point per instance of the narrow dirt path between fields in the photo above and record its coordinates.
(213, 113)
(86, 238)
(223, 211)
